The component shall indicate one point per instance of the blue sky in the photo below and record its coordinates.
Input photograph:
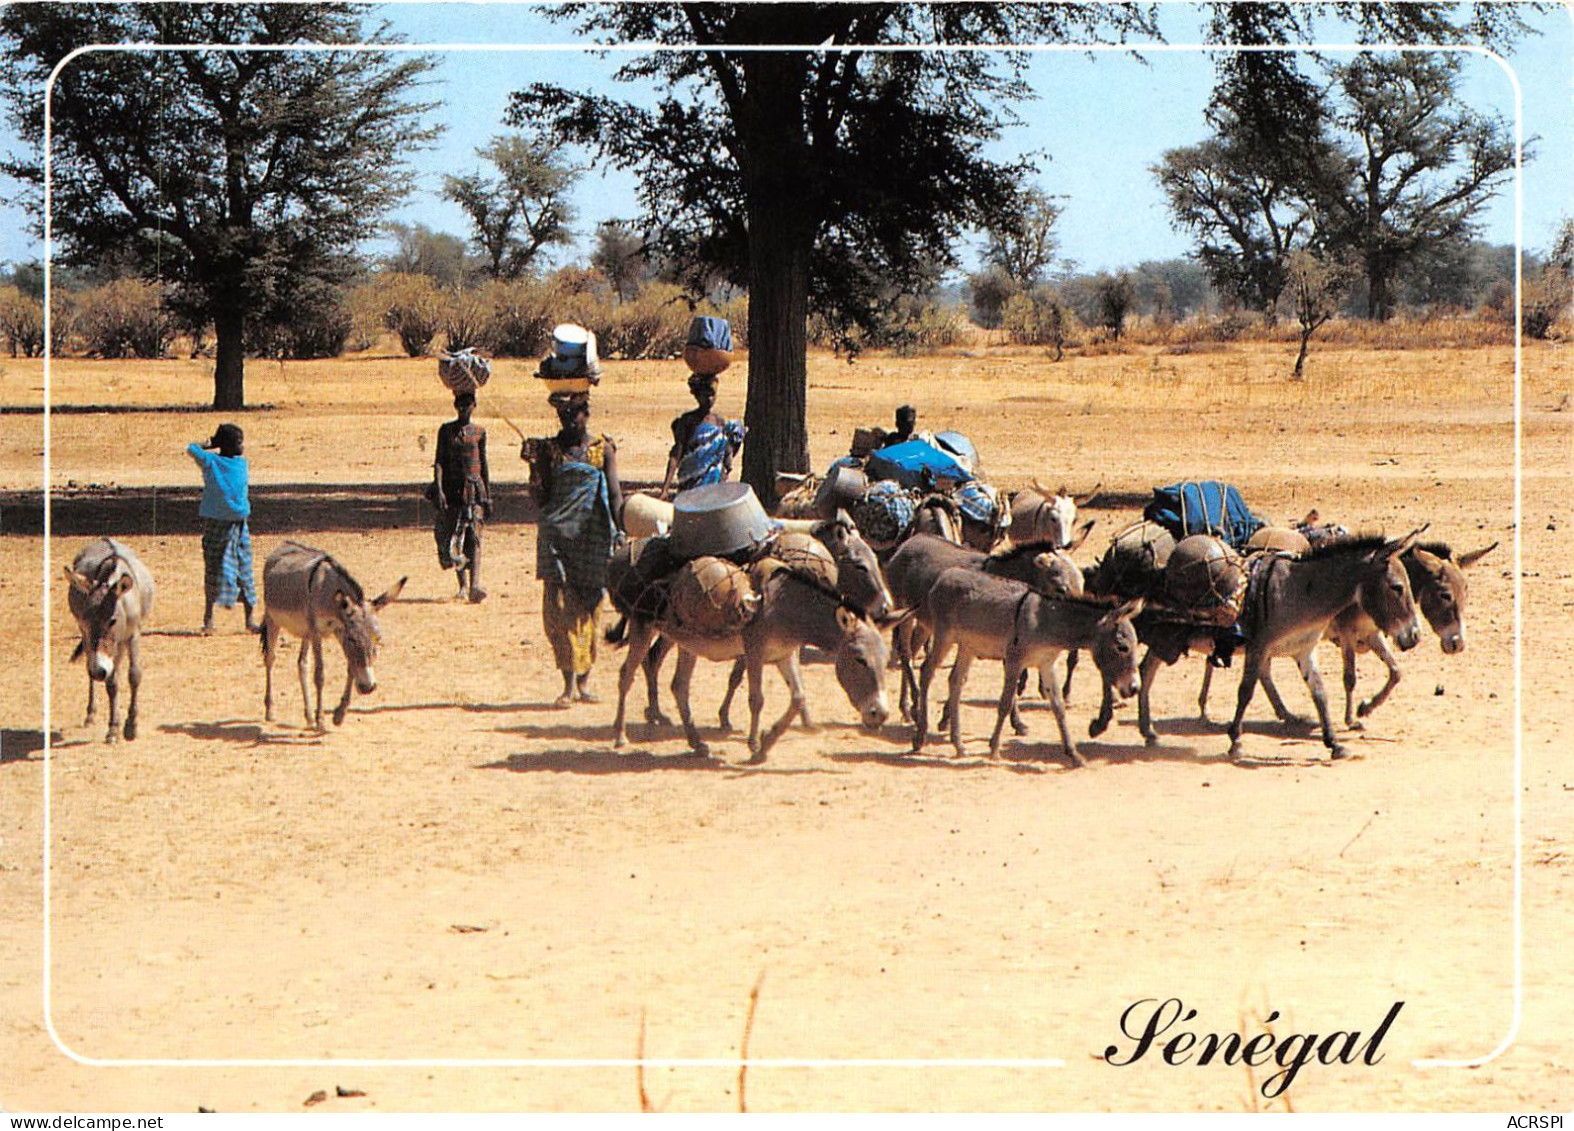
(1105, 119)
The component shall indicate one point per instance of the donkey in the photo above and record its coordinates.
(793, 612)
(1439, 589)
(1040, 516)
(111, 595)
(1000, 619)
(1291, 601)
(919, 562)
(309, 595)
(859, 581)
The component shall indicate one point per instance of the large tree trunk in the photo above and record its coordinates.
(229, 367)
(781, 238)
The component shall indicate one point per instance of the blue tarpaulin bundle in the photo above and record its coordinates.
(1203, 507)
(907, 463)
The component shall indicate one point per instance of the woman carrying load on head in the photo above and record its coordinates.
(703, 443)
(574, 480)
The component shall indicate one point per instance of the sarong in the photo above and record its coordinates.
(226, 561)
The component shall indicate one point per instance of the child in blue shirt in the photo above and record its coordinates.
(226, 539)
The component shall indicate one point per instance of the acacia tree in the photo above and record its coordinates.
(811, 174)
(1418, 167)
(520, 212)
(238, 175)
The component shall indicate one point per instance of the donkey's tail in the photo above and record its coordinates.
(81, 647)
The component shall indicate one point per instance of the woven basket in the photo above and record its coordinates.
(463, 372)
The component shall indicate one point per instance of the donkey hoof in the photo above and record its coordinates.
(1364, 709)
(700, 749)
(657, 719)
(1152, 739)
(112, 737)
(338, 716)
(1339, 753)
(619, 741)
(131, 730)
(1097, 727)
(1078, 762)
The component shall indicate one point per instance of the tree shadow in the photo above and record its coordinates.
(21, 745)
(244, 733)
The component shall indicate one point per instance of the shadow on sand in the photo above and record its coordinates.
(21, 745)
(244, 733)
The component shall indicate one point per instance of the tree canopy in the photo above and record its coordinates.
(820, 175)
(521, 212)
(241, 178)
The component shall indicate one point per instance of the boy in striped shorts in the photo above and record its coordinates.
(226, 539)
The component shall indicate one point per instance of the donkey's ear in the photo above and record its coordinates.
(846, 619)
(1084, 500)
(1311, 517)
(125, 583)
(1125, 612)
(1403, 545)
(1465, 561)
(1043, 491)
(391, 595)
(1082, 534)
(79, 581)
(343, 600)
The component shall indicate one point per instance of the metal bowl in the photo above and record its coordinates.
(719, 519)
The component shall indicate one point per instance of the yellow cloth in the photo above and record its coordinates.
(571, 627)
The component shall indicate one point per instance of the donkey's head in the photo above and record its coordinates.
(1115, 649)
(1437, 580)
(360, 634)
(1385, 593)
(1043, 516)
(102, 620)
(861, 657)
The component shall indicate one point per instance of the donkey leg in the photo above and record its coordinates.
(682, 681)
(926, 676)
(1071, 667)
(954, 703)
(344, 700)
(1314, 684)
(640, 638)
(1147, 671)
(112, 690)
(1013, 671)
(652, 670)
(756, 672)
(270, 644)
(1381, 650)
(1057, 703)
(92, 706)
(793, 675)
(734, 681)
(134, 682)
(1347, 655)
(1202, 695)
(1276, 700)
(302, 658)
(317, 674)
(1251, 667)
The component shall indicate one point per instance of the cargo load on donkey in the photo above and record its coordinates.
(1203, 507)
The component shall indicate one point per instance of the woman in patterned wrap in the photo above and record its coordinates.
(574, 480)
(703, 443)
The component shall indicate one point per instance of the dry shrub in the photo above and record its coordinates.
(466, 317)
(736, 311)
(126, 318)
(652, 324)
(21, 322)
(409, 305)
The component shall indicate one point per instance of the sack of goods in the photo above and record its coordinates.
(720, 519)
(1133, 566)
(572, 366)
(1205, 579)
(464, 371)
(1279, 539)
(638, 576)
(916, 463)
(1204, 507)
(710, 597)
(884, 514)
(708, 349)
(802, 555)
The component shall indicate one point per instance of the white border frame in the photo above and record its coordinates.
(646, 48)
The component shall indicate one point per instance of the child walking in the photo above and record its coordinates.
(226, 539)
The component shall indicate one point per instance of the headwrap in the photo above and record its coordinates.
(561, 401)
(702, 382)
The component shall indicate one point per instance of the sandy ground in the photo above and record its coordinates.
(461, 881)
